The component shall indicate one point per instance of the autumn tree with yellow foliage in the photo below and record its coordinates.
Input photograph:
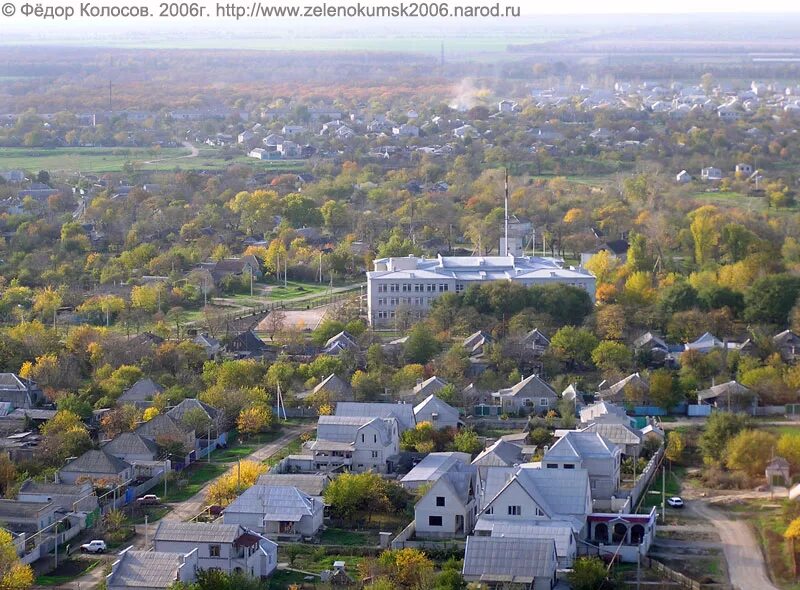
(227, 488)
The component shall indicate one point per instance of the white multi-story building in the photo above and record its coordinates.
(412, 283)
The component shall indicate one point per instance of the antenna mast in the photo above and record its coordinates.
(505, 249)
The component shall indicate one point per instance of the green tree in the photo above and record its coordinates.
(720, 428)
(589, 573)
(750, 451)
(611, 356)
(771, 298)
(466, 440)
(14, 575)
(421, 345)
(675, 446)
(573, 346)
(664, 390)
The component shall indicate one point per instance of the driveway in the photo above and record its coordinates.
(746, 565)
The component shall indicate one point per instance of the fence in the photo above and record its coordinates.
(404, 540)
(682, 580)
(647, 475)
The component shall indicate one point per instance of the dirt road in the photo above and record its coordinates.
(745, 562)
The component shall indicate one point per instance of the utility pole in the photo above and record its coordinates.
(285, 271)
(209, 442)
(165, 479)
(505, 246)
(320, 267)
(146, 542)
(663, 495)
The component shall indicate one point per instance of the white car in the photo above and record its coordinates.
(675, 502)
(94, 546)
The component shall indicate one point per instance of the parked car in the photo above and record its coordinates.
(148, 499)
(94, 546)
(675, 502)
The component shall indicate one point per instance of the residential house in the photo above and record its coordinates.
(475, 343)
(535, 342)
(227, 547)
(560, 531)
(337, 389)
(403, 413)
(357, 443)
(731, 396)
(313, 484)
(343, 341)
(164, 429)
(432, 467)
(439, 413)
(531, 395)
(211, 345)
(66, 497)
(711, 174)
(590, 451)
(215, 430)
(20, 393)
(151, 570)
(100, 467)
(683, 177)
(27, 517)
(705, 343)
(277, 512)
(652, 345)
(500, 454)
(132, 448)
(501, 561)
(788, 345)
(141, 393)
(617, 249)
(428, 387)
(449, 507)
(633, 388)
(603, 411)
(621, 434)
(246, 345)
(247, 266)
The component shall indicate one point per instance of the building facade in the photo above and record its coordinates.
(411, 284)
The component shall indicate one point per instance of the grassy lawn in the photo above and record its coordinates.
(652, 497)
(197, 475)
(334, 536)
(67, 571)
(100, 159)
(293, 290)
(242, 449)
(282, 579)
(316, 559)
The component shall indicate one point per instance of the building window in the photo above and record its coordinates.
(489, 510)
(381, 288)
(374, 454)
(515, 510)
(552, 465)
(213, 550)
(375, 438)
(440, 500)
(459, 288)
(434, 521)
(569, 466)
(544, 401)
(539, 511)
(362, 438)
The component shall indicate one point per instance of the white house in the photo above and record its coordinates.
(356, 443)
(711, 174)
(449, 507)
(277, 512)
(403, 413)
(151, 570)
(227, 547)
(441, 414)
(432, 467)
(683, 177)
(590, 451)
(414, 283)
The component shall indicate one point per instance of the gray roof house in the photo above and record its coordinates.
(151, 570)
(338, 389)
(216, 417)
(617, 391)
(339, 343)
(449, 506)
(603, 411)
(531, 395)
(439, 413)
(730, 396)
(428, 387)
(432, 467)
(788, 345)
(140, 393)
(66, 497)
(313, 484)
(228, 547)
(211, 345)
(501, 454)
(27, 517)
(622, 435)
(560, 531)
(403, 413)
(277, 512)
(20, 393)
(99, 467)
(132, 447)
(165, 427)
(535, 342)
(529, 563)
(359, 443)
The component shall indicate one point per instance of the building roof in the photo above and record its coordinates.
(335, 385)
(162, 425)
(310, 483)
(537, 337)
(501, 454)
(564, 492)
(602, 408)
(511, 560)
(143, 390)
(706, 342)
(530, 387)
(56, 489)
(786, 338)
(97, 463)
(460, 483)
(179, 411)
(634, 380)
(651, 340)
(286, 503)
(15, 509)
(434, 465)
(580, 445)
(343, 429)
(436, 406)
(130, 443)
(475, 268)
(474, 343)
(615, 432)
(429, 386)
(404, 413)
(730, 388)
(558, 530)
(146, 569)
(246, 342)
(197, 532)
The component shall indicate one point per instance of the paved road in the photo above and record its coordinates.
(746, 565)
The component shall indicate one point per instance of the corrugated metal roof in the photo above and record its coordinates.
(274, 503)
(146, 569)
(510, 560)
(404, 413)
(434, 465)
(558, 530)
(169, 530)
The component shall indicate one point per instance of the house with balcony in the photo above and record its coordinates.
(356, 443)
(277, 512)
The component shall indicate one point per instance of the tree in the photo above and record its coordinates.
(409, 568)
(8, 474)
(678, 297)
(351, 494)
(589, 573)
(227, 487)
(788, 447)
(771, 298)
(366, 386)
(791, 534)
(14, 575)
(46, 303)
(254, 420)
(467, 441)
(573, 346)
(611, 356)
(274, 322)
(750, 451)
(664, 391)
(150, 413)
(704, 227)
(675, 446)
(720, 428)
(421, 345)
(64, 436)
